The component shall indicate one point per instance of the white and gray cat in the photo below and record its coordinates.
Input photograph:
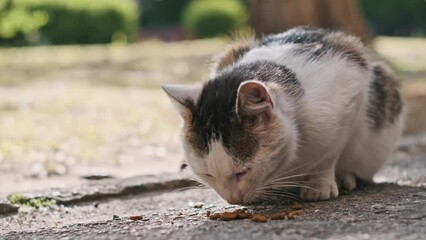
(308, 109)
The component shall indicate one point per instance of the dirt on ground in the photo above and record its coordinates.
(393, 210)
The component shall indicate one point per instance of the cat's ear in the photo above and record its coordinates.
(183, 97)
(253, 99)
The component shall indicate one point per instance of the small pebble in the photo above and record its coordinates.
(192, 213)
(96, 204)
(351, 220)
(198, 205)
(115, 217)
(210, 206)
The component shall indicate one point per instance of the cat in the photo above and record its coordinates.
(308, 109)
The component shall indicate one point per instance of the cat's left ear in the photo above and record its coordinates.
(183, 97)
(253, 99)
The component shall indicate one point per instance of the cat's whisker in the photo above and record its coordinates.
(281, 192)
(297, 175)
(298, 167)
(278, 186)
(275, 192)
(271, 195)
(282, 174)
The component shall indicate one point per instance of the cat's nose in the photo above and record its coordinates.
(235, 198)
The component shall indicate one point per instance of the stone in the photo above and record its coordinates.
(6, 207)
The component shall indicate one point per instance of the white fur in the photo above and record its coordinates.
(324, 137)
(218, 170)
(334, 131)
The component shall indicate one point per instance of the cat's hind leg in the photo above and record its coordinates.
(347, 181)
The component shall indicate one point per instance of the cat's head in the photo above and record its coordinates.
(235, 137)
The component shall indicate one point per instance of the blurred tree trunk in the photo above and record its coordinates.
(273, 16)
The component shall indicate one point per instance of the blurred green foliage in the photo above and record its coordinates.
(67, 21)
(395, 17)
(155, 13)
(16, 23)
(204, 18)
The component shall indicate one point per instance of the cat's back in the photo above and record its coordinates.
(331, 67)
(307, 48)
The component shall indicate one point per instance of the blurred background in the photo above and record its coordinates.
(80, 95)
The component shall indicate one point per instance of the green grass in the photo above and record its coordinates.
(27, 202)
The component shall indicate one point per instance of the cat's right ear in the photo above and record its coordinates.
(183, 97)
(253, 99)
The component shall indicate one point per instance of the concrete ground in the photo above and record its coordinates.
(393, 208)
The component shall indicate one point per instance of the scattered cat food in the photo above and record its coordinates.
(256, 217)
(259, 218)
(278, 216)
(214, 216)
(136, 218)
(296, 207)
(297, 212)
(228, 216)
(243, 215)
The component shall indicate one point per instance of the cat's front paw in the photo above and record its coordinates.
(319, 190)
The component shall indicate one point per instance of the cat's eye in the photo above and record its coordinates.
(239, 175)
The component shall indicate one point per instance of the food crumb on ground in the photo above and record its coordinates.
(297, 212)
(297, 207)
(278, 216)
(259, 218)
(228, 216)
(136, 217)
(214, 216)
